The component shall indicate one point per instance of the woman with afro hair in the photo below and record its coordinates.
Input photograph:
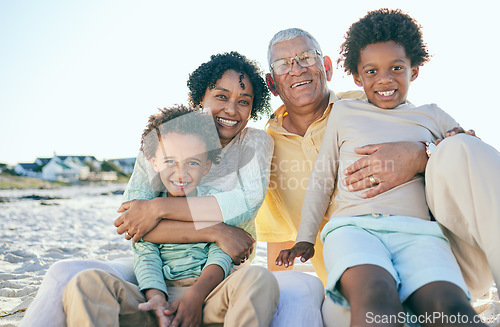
(232, 89)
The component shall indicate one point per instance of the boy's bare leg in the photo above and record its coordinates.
(444, 304)
(370, 291)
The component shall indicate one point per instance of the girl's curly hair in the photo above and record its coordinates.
(383, 25)
(182, 120)
(207, 75)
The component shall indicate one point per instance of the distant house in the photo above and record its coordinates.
(42, 161)
(67, 170)
(73, 168)
(90, 161)
(27, 169)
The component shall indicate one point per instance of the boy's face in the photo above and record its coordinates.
(181, 160)
(385, 73)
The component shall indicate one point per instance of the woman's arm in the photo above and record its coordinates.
(143, 210)
(141, 216)
(234, 241)
(233, 207)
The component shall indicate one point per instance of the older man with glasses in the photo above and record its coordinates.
(299, 76)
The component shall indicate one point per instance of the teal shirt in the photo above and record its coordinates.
(155, 262)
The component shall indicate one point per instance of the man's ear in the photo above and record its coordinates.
(207, 167)
(357, 80)
(152, 161)
(414, 73)
(271, 84)
(327, 62)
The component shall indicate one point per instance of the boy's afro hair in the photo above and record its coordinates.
(183, 120)
(383, 25)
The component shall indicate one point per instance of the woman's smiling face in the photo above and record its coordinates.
(230, 103)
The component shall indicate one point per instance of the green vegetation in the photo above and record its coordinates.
(39, 168)
(123, 178)
(10, 180)
(110, 166)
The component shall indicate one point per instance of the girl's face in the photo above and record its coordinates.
(230, 103)
(385, 73)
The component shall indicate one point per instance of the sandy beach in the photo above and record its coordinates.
(40, 227)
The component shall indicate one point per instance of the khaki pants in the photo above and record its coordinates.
(93, 297)
(463, 192)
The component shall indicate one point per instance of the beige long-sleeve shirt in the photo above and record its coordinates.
(355, 123)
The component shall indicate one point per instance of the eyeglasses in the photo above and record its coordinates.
(304, 59)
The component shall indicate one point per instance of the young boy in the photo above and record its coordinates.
(383, 251)
(179, 284)
(181, 145)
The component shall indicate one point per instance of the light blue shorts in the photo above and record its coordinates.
(414, 251)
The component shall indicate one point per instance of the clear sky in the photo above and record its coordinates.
(82, 77)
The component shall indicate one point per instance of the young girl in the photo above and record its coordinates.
(383, 251)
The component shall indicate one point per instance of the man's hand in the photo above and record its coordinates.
(187, 310)
(234, 241)
(139, 217)
(386, 166)
(305, 250)
(158, 304)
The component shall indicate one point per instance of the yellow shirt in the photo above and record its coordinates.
(278, 219)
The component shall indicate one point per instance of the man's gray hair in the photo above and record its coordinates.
(289, 34)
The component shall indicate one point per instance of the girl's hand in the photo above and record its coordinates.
(138, 218)
(305, 250)
(187, 310)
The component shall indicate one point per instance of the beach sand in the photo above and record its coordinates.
(40, 227)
